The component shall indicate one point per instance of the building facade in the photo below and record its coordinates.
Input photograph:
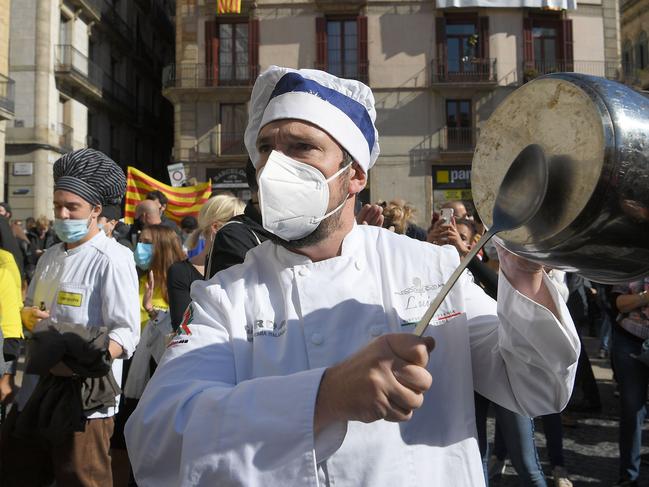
(635, 48)
(88, 74)
(7, 86)
(437, 70)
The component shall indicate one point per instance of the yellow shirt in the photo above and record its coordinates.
(158, 301)
(11, 300)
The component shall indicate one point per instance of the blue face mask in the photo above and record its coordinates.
(143, 255)
(71, 231)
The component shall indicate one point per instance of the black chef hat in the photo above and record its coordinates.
(92, 175)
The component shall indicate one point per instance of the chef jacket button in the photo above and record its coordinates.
(359, 265)
(376, 331)
(303, 272)
(317, 339)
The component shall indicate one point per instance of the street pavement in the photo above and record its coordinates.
(590, 446)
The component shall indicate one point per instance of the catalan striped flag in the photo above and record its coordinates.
(228, 7)
(183, 201)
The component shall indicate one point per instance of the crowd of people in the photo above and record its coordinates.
(182, 381)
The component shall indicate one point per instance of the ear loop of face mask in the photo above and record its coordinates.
(338, 173)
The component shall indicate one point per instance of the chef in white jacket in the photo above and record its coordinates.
(298, 367)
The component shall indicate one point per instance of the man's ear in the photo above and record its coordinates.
(96, 211)
(358, 180)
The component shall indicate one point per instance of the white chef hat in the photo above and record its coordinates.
(343, 108)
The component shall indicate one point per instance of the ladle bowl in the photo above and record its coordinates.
(519, 198)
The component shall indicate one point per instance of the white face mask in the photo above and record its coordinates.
(293, 196)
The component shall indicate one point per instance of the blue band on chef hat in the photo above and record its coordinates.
(357, 113)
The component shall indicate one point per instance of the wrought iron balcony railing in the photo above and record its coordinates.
(464, 70)
(69, 60)
(604, 69)
(206, 75)
(456, 139)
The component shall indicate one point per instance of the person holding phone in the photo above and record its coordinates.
(441, 232)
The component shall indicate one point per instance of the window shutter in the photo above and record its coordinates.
(440, 37)
(567, 44)
(484, 66)
(211, 53)
(321, 43)
(528, 45)
(483, 37)
(253, 49)
(363, 66)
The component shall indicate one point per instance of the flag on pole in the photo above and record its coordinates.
(183, 201)
(228, 7)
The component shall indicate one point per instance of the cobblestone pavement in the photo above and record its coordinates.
(590, 447)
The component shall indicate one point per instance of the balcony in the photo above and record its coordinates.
(191, 76)
(89, 10)
(65, 136)
(469, 72)
(604, 69)
(216, 144)
(76, 73)
(458, 139)
(358, 71)
(7, 98)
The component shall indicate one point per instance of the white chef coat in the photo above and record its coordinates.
(233, 399)
(94, 284)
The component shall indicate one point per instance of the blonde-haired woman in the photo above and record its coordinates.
(215, 213)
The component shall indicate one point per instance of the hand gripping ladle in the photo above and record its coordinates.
(519, 198)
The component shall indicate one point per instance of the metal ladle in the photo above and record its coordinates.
(519, 198)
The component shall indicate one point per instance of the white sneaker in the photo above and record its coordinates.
(495, 467)
(561, 477)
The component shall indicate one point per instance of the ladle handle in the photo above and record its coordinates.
(430, 312)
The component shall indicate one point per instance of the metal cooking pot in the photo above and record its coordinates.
(594, 219)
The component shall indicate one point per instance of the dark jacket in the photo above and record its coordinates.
(235, 239)
(59, 405)
(38, 243)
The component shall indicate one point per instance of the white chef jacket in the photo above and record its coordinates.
(233, 399)
(94, 284)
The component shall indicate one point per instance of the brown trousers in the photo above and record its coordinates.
(82, 460)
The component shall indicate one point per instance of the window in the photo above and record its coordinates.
(458, 124)
(342, 47)
(463, 49)
(234, 118)
(545, 47)
(65, 32)
(231, 52)
(461, 41)
(547, 40)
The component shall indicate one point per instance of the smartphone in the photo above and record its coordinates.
(447, 216)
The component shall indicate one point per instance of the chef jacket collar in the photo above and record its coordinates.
(351, 248)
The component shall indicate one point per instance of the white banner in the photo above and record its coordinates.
(553, 4)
